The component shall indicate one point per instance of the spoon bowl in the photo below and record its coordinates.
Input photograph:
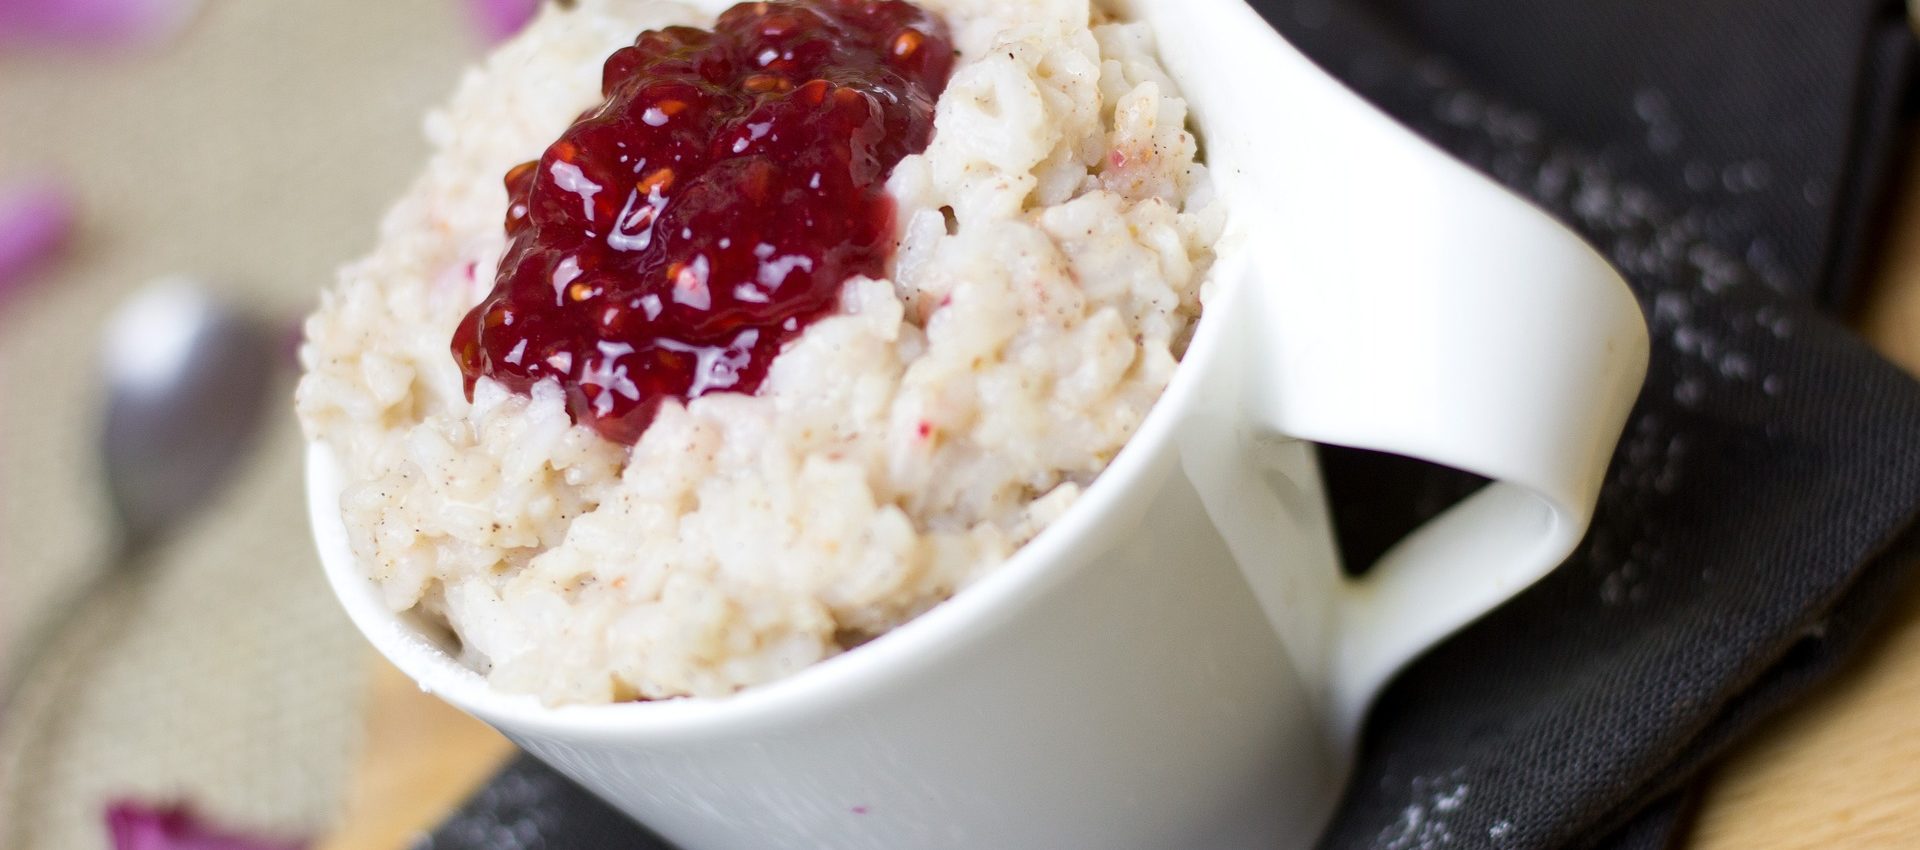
(187, 377)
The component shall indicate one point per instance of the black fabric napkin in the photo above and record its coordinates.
(1728, 156)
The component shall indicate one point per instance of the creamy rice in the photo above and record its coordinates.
(897, 450)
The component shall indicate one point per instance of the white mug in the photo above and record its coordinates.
(1178, 661)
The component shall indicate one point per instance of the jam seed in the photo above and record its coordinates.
(766, 83)
(661, 179)
(907, 43)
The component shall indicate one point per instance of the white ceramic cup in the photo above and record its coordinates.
(1178, 662)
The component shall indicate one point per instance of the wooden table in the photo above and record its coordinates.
(1840, 770)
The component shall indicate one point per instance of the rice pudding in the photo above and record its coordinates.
(867, 454)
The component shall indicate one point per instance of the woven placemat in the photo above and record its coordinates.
(258, 150)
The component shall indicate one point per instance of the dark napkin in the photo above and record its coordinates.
(1728, 157)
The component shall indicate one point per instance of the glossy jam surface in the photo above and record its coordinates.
(676, 236)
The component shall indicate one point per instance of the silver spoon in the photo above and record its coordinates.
(187, 378)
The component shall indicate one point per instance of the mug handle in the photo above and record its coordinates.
(1434, 314)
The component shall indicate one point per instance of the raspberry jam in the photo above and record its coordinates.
(676, 236)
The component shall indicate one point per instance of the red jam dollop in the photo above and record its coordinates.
(675, 237)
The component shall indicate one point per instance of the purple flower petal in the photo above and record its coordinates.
(90, 22)
(498, 20)
(293, 334)
(138, 827)
(35, 218)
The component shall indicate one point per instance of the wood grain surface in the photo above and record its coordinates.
(1841, 770)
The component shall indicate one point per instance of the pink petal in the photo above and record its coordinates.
(293, 334)
(35, 218)
(138, 827)
(498, 20)
(74, 22)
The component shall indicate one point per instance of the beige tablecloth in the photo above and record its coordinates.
(257, 150)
